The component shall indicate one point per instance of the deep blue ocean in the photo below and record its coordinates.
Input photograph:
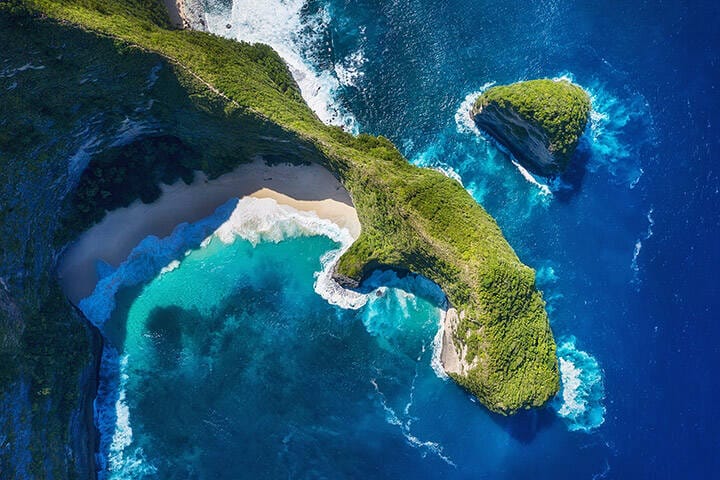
(232, 366)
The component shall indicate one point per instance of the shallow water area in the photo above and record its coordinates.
(233, 360)
(234, 347)
(624, 244)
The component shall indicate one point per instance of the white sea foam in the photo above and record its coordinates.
(448, 171)
(349, 71)
(463, 120)
(252, 219)
(120, 460)
(436, 361)
(544, 189)
(295, 34)
(465, 124)
(170, 267)
(580, 400)
(618, 129)
(405, 423)
(122, 437)
(634, 266)
(263, 219)
(255, 220)
(430, 158)
(147, 260)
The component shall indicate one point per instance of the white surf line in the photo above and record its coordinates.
(284, 26)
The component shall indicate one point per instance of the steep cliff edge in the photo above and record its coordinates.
(539, 121)
(117, 94)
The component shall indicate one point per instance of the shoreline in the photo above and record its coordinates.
(186, 14)
(309, 188)
(174, 9)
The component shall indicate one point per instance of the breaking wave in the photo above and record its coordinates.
(618, 132)
(252, 219)
(580, 400)
(638, 247)
(299, 34)
(465, 124)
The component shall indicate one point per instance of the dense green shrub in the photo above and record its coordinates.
(120, 175)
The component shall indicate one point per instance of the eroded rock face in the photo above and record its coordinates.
(539, 122)
(454, 352)
(525, 141)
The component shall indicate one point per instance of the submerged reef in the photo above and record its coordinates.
(218, 103)
(539, 121)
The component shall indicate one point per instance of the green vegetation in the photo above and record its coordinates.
(119, 175)
(228, 101)
(558, 107)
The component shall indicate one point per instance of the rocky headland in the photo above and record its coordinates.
(539, 122)
(144, 104)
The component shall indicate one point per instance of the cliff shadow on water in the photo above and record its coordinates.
(123, 122)
(569, 184)
(524, 426)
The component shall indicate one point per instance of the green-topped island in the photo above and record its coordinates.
(497, 339)
(539, 121)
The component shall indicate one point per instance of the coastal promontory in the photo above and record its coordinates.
(539, 121)
(200, 103)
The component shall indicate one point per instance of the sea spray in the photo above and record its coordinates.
(618, 132)
(580, 400)
(252, 219)
(466, 125)
(117, 459)
(296, 33)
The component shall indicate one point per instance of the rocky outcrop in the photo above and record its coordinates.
(188, 14)
(539, 122)
(453, 351)
(193, 14)
(84, 437)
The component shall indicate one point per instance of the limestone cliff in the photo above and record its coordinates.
(539, 121)
(142, 86)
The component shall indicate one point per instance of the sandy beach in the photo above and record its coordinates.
(174, 7)
(309, 188)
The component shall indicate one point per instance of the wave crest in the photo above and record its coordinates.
(580, 400)
(298, 35)
(252, 219)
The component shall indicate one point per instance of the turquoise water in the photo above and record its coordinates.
(626, 240)
(258, 376)
(229, 358)
(233, 347)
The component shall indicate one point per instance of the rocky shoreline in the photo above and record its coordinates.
(84, 434)
(188, 14)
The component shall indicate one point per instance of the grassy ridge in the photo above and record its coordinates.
(413, 219)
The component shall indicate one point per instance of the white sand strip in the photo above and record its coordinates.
(309, 188)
